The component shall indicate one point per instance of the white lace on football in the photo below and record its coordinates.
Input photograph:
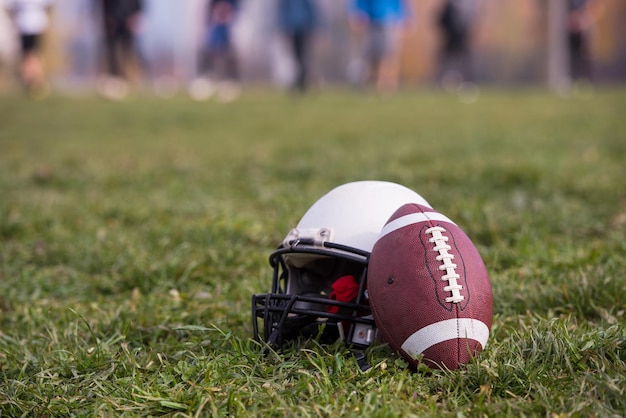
(451, 276)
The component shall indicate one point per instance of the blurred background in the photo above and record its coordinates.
(509, 42)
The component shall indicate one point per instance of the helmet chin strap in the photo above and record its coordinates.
(305, 326)
(361, 361)
(302, 326)
(292, 327)
(276, 335)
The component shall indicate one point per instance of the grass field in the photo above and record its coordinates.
(133, 234)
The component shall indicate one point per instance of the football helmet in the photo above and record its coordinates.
(319, 284)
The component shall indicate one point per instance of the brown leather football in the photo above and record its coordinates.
(429, 289)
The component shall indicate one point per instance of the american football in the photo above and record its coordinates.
(429, 289)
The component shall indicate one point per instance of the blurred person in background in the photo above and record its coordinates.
(378, 27)
(298, 20)
(456, 20)
(31, 19)
(120, 21)
(580, 21)
(218, 65)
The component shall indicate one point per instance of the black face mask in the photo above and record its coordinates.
(323, 298)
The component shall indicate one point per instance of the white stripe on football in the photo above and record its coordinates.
(413, 218)
(450, 329)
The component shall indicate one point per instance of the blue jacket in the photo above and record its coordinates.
(381, 11)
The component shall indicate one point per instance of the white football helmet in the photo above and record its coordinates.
(319, 284)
